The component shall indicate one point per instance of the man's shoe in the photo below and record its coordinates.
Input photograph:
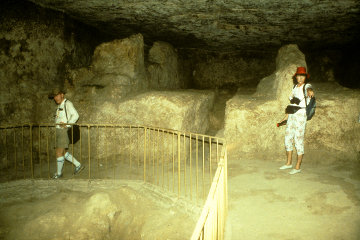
(57, 176)
(78, 169)
(285, 167)
(294, 171)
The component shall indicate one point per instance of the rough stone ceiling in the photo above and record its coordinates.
(224, 25)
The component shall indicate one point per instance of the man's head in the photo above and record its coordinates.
(58, 95)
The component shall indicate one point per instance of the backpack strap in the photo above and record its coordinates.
(66, 111)
(303, 92)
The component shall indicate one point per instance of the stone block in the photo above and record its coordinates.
(163, 70)
(178, 110)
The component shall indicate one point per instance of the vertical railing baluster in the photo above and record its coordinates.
(97, 150)
(168, 157)
(31, 152)
(179, 163)
(210, 171)
(89, 151)
(162, 158)
(120, 145)
(203, 165)
(197, 166)
(153, 155)
(184, 147)
(144, 154)
(15, 154)
(190, 160)
(23, 150)
(130, 147)
(6, 151)
(47, 150)
(80, 145)
(106, 150)
(217, 150)
(173, 161)
(157, 158)
(40, 151)
(72, 147)
(114, 158)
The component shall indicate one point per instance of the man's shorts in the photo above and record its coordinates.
(62, 138)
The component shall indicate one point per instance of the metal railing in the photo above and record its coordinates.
(211, 224)
(188, 164)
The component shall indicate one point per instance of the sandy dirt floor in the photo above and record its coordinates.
(99, 209)
(321, 202)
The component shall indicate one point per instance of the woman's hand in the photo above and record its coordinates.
(310, 93)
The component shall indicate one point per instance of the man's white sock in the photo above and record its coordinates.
(71, 159)
(60, 164)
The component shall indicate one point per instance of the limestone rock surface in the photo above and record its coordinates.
(277, 85)
(178, 110)
(231, 25)
(163, 68)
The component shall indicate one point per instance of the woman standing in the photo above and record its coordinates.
(296, 119)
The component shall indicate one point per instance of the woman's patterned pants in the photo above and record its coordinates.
(295, 131)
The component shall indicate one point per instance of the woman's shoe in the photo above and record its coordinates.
(294, 171)
(285, 167)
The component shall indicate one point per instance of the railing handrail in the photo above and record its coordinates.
(112, 125)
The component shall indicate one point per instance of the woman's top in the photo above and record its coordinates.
(298, 93)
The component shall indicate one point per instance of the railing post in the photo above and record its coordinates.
(144, 154)
(197, 167)
(184, 147)
(15, 152)
(190, 140)
(31, 152)
(179, 163)
(40, 151)
(6, 151)
(89, 151)
(97, 149)
(130, 147)
(203, 165)
(158, 157)
(22, 148)
(80, 139)
(47, 150)
(173, 160)
(210, 171)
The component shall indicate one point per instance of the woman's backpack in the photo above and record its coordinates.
(310, 107)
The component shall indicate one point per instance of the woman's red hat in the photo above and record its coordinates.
(301, 71)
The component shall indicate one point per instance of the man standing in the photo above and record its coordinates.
(65, 113)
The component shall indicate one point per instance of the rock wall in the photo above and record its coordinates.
(250, 120)
(335, 65)
(210, 70)
(37, 48)
(277, 85)
(186, 110)
(116, 71)
(163, 69)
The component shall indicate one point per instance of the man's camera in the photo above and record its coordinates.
(295, 100)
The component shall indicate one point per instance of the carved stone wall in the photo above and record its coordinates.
(37, 49)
